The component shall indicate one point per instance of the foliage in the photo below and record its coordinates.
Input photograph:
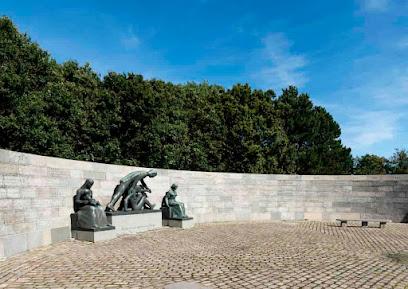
(314, 147)
(67, 110)
(398, 163)
(370, 165)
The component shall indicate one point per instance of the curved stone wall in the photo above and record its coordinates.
(36, 196)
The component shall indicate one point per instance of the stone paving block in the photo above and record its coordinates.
(224, 255)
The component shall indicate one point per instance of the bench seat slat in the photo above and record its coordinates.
(364, 220)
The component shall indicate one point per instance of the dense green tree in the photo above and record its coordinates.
(254, 138)
(370, 165)
(204, 116)
(25, 69)
(314, 147)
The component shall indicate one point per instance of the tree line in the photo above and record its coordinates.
(67, 110)
(376, 165)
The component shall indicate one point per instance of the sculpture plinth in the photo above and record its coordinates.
(185, 223)
(91, 234)
(130, 222)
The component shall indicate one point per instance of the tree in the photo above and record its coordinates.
(370, 165)
(25, 70)
(398, 163)
(254, 139)
(314, 147)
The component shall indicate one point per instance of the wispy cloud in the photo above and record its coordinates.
(374, 5)
(403, 43)
(374, 112)
(366, 128)
(279, 67)
(129, 40)
(387, 88)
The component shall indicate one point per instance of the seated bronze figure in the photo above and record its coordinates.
(171, 209)
(90, 214)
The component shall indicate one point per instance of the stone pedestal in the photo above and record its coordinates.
(94, 235)
(135, 221)
(91, 235)
(186, 223)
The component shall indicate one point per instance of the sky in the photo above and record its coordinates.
(350, 56)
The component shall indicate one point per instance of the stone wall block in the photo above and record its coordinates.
(313, 216)
(400, 188)
(13, 193)
(9, 169)
(14, 217)
(27, 193)
(15, 244)
(19, 158)
(32, 170)
(6, 205)
(4, 156)
(30, 215)
(15, 181)
(95, 175)
(59, 173)
(287, 216)
(21, 204)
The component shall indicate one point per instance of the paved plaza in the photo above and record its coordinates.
(221, 255)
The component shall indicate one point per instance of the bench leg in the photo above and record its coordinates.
(364, 224)
(382, 225)
(343, 223)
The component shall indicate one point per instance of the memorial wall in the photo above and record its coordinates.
(36, 196)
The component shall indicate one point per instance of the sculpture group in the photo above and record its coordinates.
(132, 192)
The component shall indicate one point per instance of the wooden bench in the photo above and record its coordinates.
(364, 222)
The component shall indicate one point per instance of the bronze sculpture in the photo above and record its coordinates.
(136, 199)
(89, 212)
(171, 209)
(131, 191)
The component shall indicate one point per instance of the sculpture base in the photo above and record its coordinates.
(94, 235)
(186, 223)
(131, 222)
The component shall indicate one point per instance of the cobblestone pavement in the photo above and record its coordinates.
(221, 255)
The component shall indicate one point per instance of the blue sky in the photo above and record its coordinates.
(350, 56)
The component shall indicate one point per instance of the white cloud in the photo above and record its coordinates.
(279, 67)
(394, 93)
(366, 128)
(129, 40)
(375, 5)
